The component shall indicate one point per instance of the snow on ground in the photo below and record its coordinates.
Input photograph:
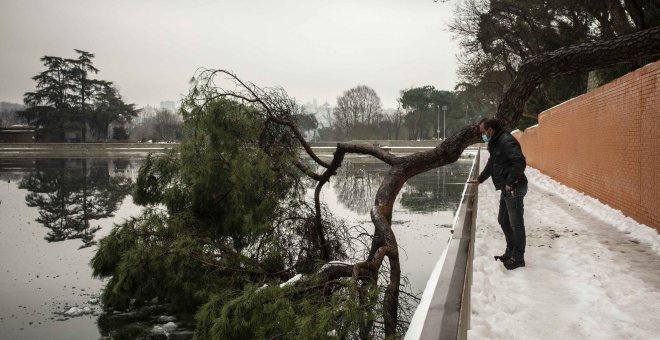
(591, 272)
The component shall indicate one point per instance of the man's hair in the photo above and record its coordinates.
(491, 123)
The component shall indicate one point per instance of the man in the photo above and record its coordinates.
(506, 166)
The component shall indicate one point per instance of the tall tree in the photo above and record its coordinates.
(306, 122)
(166, 125)
(392, 123)
(357, 108)
(67, 98)
(497, 35)
(108, 107)
(85, 88)
(423, 105)
(48, 107)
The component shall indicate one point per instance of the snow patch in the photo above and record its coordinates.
(591, 272)
(291, 280)
(166, 318)
(600, 211)
(331, 263)
(170, 326)
(76, 311)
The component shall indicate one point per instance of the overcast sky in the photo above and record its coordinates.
(314, 49)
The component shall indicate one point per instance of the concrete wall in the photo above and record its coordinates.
(606, 143)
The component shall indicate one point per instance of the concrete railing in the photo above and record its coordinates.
(445, 314)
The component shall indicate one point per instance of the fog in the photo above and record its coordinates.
(314, 49)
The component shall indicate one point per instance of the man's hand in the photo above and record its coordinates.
(473, 181)
(508, 188)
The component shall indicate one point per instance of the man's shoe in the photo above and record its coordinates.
(513, 263)
(504, 258)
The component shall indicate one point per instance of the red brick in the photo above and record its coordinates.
(606, 143)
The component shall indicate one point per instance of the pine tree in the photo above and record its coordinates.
(235, 219)
(67, 98)
(108, 107)
(84, 89)
(49, 105)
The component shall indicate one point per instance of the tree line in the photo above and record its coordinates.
(69, 105)
(8, 115)
(421, 113)
(495, 37)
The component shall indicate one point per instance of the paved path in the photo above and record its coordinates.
(591, 272)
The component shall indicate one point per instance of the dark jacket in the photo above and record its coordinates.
(506, 163)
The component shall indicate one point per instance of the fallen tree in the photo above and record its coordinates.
(275, 112)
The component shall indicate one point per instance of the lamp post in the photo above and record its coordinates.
(466, 110)
(438, 106)
(444, 122)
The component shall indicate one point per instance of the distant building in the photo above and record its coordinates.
(144, 113)
(8, 115)
(17, 134)
(389, 111)
(311, 108)
(324, 114)
(168, 105)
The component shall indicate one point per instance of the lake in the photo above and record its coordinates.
(54, 210)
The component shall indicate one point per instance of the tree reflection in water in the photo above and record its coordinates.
(436, 190)
(356, 185)
(70, 193)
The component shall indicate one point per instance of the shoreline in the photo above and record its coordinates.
(56, 150)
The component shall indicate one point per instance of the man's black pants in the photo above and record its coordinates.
(512, 222)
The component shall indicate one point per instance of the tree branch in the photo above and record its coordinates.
(578, 58)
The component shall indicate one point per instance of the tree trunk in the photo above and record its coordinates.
(578, 58)
(631, 48)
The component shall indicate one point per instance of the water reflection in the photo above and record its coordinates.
(436, 190)
(72, 193)
(356, 184)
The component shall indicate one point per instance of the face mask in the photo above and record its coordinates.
(485, 138)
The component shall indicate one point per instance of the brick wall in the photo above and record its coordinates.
(606, 143)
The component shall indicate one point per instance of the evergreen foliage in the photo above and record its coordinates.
(496, 36)
(67, 99)
(224, 214)
(291, 312)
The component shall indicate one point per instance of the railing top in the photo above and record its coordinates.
(440, 314)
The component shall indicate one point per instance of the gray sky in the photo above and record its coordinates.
(313, 49)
